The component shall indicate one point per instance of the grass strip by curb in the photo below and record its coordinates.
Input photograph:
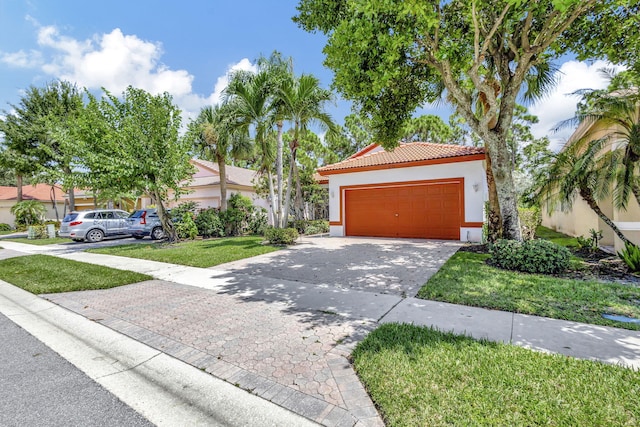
(198, 253)
(466, 279)
(43, 274)
(418, 376)
(39, 242)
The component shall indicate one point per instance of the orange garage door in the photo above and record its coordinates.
(428, 211)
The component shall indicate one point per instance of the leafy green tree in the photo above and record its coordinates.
(393, 56)
(356, 133)
(214, 138)
(427, 128)
(133, 144)
(31, 137)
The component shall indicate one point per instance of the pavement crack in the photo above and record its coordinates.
(388, 311)
(513, 319)
(130, 368)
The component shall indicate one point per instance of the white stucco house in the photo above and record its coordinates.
(418, 190)
(204, 186)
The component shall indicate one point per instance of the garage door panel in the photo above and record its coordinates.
(418, 211)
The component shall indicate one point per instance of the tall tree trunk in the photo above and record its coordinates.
(298, 200)
(19, 187)
(52, 195)
(494, 223)
(279, 149)
(287, 201)
(222, 169)
(170, 233)
(72, 195)
(507, 200)
(587, 196)
(272, 200)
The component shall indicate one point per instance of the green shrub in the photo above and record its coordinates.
(315, 226)
(530, 220)
(238, 215)
(28, 212)
(38, 232)
(258, 221)
(631, 256)
(209, 224)
(179, 210)
(591, 242)
(186, 228)
(5, 227)
(530, 256)
(281, 236)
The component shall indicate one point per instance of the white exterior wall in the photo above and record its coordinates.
(7, 217)
(209, 197)
(475, 189)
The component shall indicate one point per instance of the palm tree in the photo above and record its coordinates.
(583, 172)
(302, 102)
(28, 212)
(249, 97)
(215, 139)
(616, 109)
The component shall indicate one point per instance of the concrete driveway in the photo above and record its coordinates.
(384, 266)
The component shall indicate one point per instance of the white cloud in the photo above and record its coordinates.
(560, 105)
(114, 61)
(22, 59)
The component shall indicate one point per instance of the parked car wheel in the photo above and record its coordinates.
(157, 233)
(138, 237)
(94, 235)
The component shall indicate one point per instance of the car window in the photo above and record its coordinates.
(108, 215)
(136, 214)
(122, 214)
(90, 215)
(70, 217)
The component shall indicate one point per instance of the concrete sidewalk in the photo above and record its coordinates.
(287, 340)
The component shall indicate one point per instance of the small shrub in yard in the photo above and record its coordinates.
(238, 214)
(530, 256)
(5, 227)
(186, 228)
(38, 232)
(315, 226)
(631, 256)
(209, 224)
(530, 219)
(590, 243)
(281, 236)
(258, 221)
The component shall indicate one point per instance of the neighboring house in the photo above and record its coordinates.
(417, 190)
(580, 219)
(41, 192)
(204, 187)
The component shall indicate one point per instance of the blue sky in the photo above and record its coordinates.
(186, 48)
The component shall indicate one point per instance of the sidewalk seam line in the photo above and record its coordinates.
(388, 311)
(131, 368)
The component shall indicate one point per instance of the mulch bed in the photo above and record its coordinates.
(598, 265)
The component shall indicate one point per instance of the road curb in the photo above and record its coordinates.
(165, 390)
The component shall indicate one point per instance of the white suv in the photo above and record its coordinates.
(94, 225)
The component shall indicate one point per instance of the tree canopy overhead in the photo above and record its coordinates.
(483, 55)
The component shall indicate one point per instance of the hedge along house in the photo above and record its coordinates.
(418, 190)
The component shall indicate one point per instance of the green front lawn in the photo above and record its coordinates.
(556, 237)
(198, 253)
(466, 279)
(421, 377)
(40, 242)
(44, 274)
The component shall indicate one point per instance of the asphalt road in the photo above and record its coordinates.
(40, 388)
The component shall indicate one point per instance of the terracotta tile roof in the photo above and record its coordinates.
(235, 175)
(408, 154)
(320, 179)
(41, 192)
